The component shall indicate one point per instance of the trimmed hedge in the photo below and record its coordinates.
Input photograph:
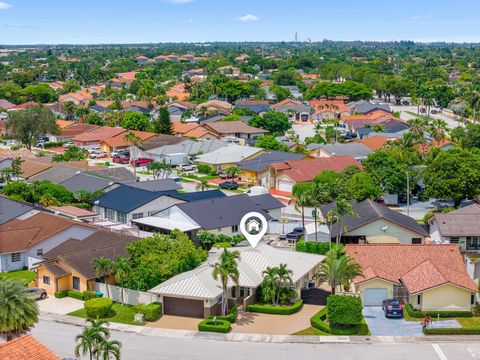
(220, 326)
(277, 310)
(87, 295)
(61, 294)
(75, 294)
(53, 144)
(231, 317)
(318, 321)
(151, 312)
(443, 314)
(451, 331)
(98, 308)
(344, 310)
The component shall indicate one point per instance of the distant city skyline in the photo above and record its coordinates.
(25, 22)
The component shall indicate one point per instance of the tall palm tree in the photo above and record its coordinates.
(300, 199)
(202, 185)
(16, 164)
(226, 269)
(103, 267)
(269, 284)
(69, 109)
(122, 269)
(18, 309)
(133, 140)
(285, 281)
(317, 196)
(110, 349)
(342, 208)
(90, 339)
(338, 268)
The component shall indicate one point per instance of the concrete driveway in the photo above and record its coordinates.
(175, 322)
(59, 306)
(379, 325)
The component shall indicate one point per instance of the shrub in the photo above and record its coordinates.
(75, 294)
(231, 317)
(204, 169)
(312, 247)
(53, 144)
(98, 308)
(87, 295)
(219, 326)
(344, 310)
(278, 310)
(451, 331)
(443, 314)
(318, 321)
(61, 294)
(151, 312)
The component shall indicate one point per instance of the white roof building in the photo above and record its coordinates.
(231, 154)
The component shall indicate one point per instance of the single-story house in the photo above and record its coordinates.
(429, 277)
(374, 142)
(118, 142)
(73, 212)
(155, 143)
(294, 109)
(24, 241)
(283, 176)
(177, 109)
(228, 156)
(26, 347)
(31, 167)
(219, 215)
(194, 130)
(246, 134)
(10, 210)
(374, 223)
(359, 151)
(86, 181)
(366, 107)
(69, 266)
(69, 132)
(155, 185)
(250, 169)
(460, 226)
(257, 106)
(96, 136)
(196, 293)
(328, 109)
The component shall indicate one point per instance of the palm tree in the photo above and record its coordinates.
(225, 269)
(202, 185)
(342, 208)
(16, 164)
(110, 348)
(103, 267)
(47, 201)
(133, 140)
(69, 109)
(300, 199)
(121, 268)
(338, 268)
(6, 174)
(232, 172)
(91, 338)
(285, 281)
(18, 310)
(269, 284)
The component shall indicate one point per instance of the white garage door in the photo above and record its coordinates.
(286, 186)
(374, 296)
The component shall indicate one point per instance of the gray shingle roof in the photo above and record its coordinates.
(119, 174)
(85, 181)
(155, 185)
(354, 149)
(368, 211)
(160, 140)
(267, 202)
(195, 196)
(56, 174)
(364, 107)
(221, 212)
(261, 162)
(11, 209)
(125, 198)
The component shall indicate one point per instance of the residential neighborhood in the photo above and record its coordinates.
(190, 183)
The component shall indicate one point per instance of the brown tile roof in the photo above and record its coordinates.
(200, 132)
(31, 167)
(57, 270)
(182, 128)
(73, 211)
(336, 106)
(160, 140)
(424, 148)
(99, 134)
(287, 101)
(63, 123)
(418, 267)
(231, 127)
(216, 103)
(187, 104)
(26, 348)
(77, 129)
(306, 169)
(10, 154)
(128, 77)
(374, 142)
(19, 235)
(118, 140)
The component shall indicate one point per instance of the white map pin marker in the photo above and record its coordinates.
(253, 226)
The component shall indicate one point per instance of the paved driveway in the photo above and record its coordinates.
(379, 325)
(175, 322)
(59, 306)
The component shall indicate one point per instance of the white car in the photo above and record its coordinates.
(98, 155)
(186, 167)
(68, 144)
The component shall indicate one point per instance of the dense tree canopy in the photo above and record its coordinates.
(276, 123)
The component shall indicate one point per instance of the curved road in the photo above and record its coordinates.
(60, 338)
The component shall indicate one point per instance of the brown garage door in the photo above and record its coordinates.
(183, 307)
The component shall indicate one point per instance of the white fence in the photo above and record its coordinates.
(131, 297)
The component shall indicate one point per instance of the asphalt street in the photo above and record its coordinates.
(60, 338)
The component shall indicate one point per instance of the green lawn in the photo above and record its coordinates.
(25, 276)
(122, 314)
(312, 331)
(466, 322)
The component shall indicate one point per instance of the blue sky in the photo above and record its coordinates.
(136, 21)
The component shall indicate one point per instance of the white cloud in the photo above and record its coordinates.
(178, 1)
(248, 18)
(4, 6)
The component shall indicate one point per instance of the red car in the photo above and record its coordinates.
(121, 159)
(141, 162)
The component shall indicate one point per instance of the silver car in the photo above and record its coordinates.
(37, 293)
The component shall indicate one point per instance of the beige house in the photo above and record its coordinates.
(429, 277)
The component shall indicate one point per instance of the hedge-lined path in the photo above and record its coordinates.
(256, 323)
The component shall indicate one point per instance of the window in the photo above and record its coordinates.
(110, 214)
(151, 213)
(137, 216)
(121, 217)
(454, 240)
(419, 299)
(76, 283)
(46, 280)
(416, 240)
(39, 252)
(234, 228)
(16, 257)
(472, 299)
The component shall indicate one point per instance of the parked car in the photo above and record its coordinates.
(433, 111)
(120, 153)
(121, 159)
(141, 162)
(186, 167)
(442, 204)
(92, 150)
(295, 234)
(44, 138)
(37, 293)
(97, 155)
(229, 185)
(68, 144)
(392, 308)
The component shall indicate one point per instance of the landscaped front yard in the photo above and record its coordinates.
(123, 314)
(25, 276)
